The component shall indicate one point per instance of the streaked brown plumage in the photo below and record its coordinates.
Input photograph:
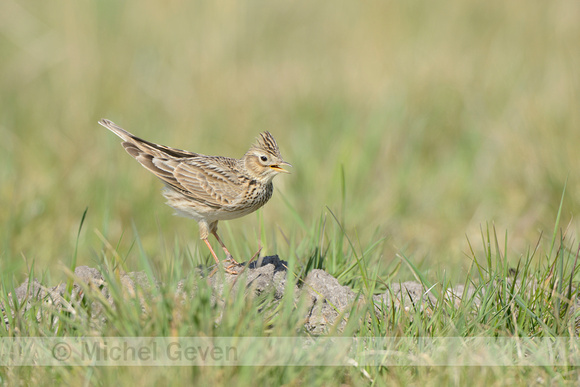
(209, 188)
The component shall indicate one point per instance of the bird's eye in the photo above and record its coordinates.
(264, 158)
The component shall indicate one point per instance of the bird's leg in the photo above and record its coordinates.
(228, 254)
(212, 252)
(227, 269)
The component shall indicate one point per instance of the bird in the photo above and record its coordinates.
(209, 188)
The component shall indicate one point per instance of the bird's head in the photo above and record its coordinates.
(263, 161)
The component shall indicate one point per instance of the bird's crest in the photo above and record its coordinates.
(267, 143)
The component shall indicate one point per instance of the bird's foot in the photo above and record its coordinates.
(235, 267)
(231, 259)
(229, 270)
(235, 263)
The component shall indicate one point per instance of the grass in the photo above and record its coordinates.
(410, 129)
(533, 299)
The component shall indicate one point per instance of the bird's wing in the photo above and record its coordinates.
(211, 180)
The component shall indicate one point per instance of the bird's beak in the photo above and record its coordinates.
(278, 168)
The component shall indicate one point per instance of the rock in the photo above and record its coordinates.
(328, 302)
(459, 292)
(89, 275)
(406, 295)
(266, 274)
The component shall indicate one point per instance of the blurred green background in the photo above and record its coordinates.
(443, 117)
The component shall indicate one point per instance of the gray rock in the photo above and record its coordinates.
(264, 275)
(406, 295)
(328, 303)
(89, 275)
(459, 293)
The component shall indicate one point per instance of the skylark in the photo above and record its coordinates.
(209, 188)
